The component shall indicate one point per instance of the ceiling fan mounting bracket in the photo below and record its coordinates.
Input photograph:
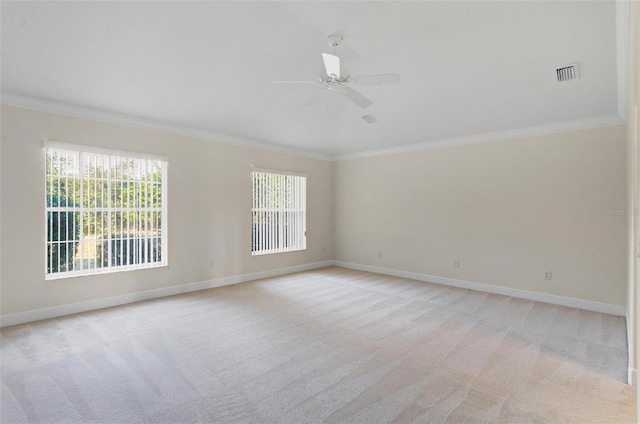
(335, 40)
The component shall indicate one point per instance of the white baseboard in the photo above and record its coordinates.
(90, 305)
(507, 291)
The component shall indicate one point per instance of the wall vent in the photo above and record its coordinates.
(568, 72)
(370, 119)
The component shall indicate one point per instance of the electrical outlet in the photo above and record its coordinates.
(380, 254)
(456, 263)
(547, 275)
(213, 263)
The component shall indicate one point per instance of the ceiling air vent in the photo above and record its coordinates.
(568, 72)
(370, 119)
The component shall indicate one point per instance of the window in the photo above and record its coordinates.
(105, 211)
(279, 211)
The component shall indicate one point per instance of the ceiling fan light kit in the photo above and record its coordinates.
(333, 78)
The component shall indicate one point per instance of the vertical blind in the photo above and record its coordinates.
(278, 211)
(104, 212)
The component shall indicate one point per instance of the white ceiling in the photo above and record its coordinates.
(466, 68)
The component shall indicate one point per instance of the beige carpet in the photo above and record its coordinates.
(326, 346)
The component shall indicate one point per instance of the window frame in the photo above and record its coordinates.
(300, 233)
(80, 150)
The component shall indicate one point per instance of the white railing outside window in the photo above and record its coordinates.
(279, 218)
(105, 211)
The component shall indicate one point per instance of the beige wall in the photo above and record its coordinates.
(209, 204)
(508, 210)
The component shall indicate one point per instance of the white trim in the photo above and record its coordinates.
(59, 108)
(622, 54)
(90, 305)
(271, 215)
(278, 171)
(81, 267)
(559, 127)
(632, 377)
(59, 145)
(571, 302)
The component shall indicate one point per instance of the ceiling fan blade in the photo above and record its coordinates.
(356, 97)
(379, 79)
(332, 65)
(293, 82)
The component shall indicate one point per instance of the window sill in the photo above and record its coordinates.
(75, 274)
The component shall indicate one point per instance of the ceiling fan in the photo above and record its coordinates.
(335, 78)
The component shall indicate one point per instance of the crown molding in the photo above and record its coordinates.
(559, 127)
(75, 111)
(59, 108)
